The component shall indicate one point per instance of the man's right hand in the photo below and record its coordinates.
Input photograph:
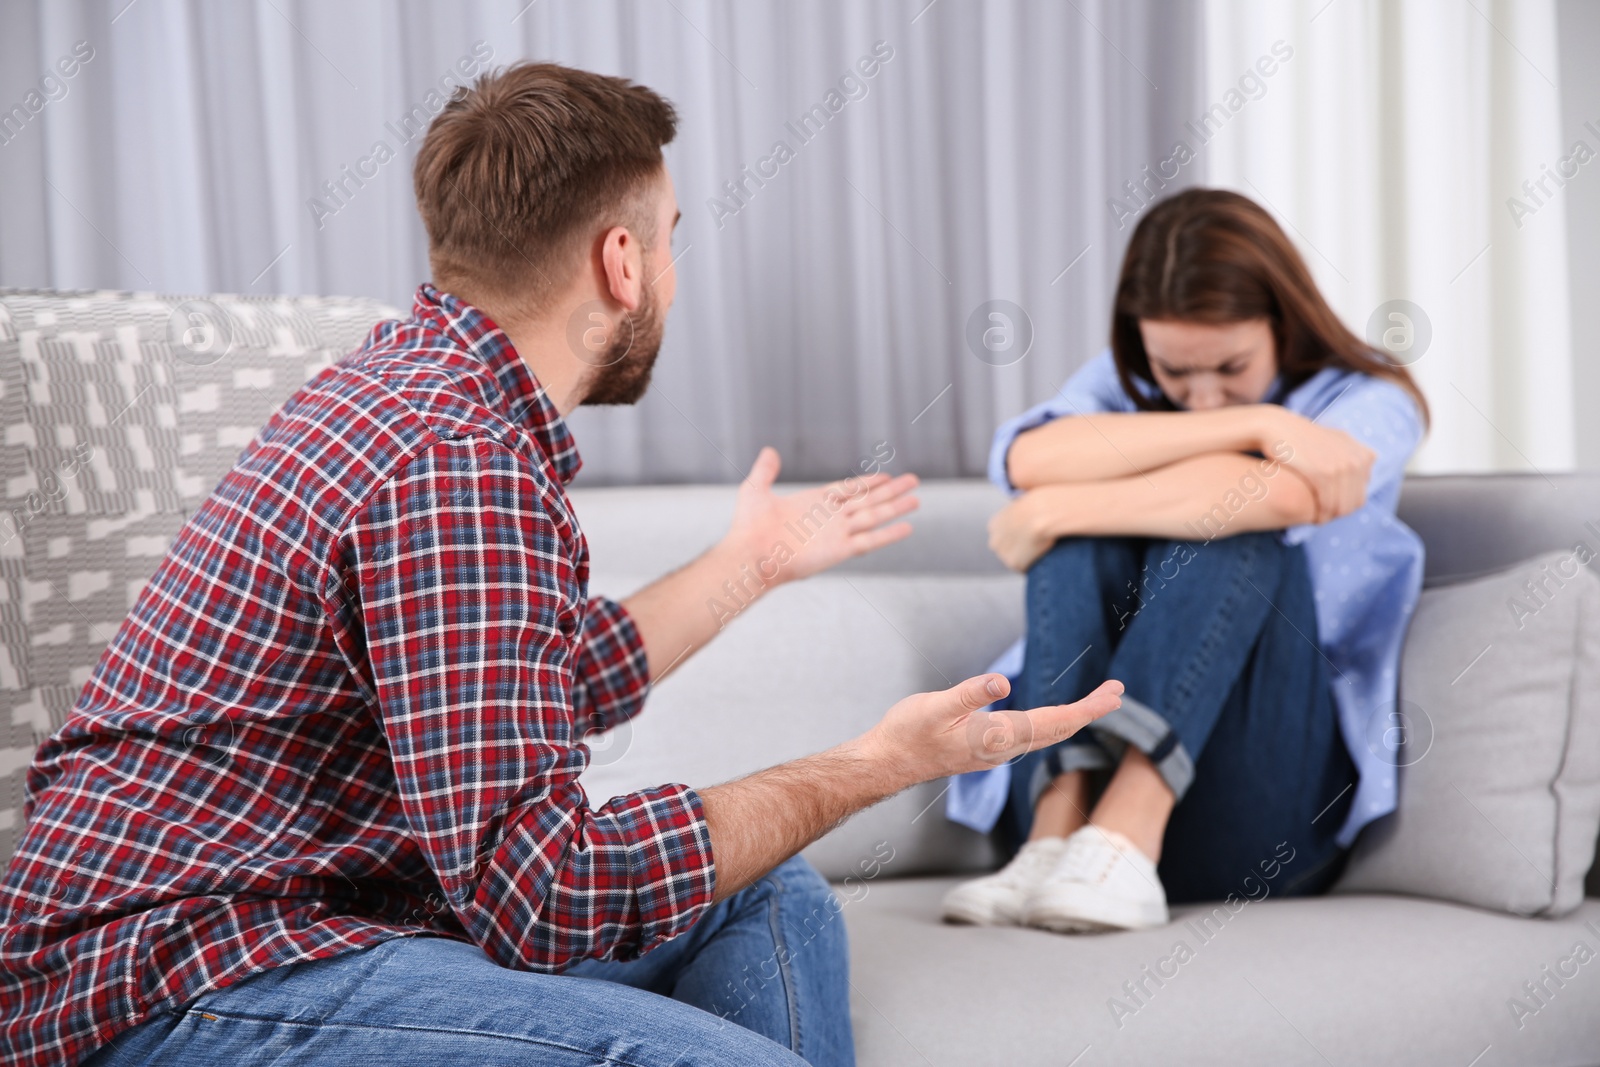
(931, 735)
(758, 821)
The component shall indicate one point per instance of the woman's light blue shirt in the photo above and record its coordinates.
(1366, 571)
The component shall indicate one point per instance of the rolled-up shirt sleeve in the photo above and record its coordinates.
(1093, 387)
(613, 672)
(479, 651)
(1382, 416)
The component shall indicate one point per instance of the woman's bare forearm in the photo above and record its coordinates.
(1197, 498)
(1098, 447)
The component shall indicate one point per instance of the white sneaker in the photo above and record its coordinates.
(998, 898)
(1101, 882)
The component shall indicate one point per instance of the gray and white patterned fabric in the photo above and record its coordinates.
(120, 413)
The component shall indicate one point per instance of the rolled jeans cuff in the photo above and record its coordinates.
(1080, 753)
(1133, 724)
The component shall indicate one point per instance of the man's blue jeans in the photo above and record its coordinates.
(1227, 692)
(761, 979)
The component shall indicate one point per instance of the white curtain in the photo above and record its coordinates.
(1395, 145)
(825, 311)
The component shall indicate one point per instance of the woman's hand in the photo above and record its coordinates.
(1024, 529)
(1334, 464)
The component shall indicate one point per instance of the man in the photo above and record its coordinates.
(319, 801)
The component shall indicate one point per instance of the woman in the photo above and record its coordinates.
(1205, 512)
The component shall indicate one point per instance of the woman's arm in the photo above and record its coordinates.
(1092, 448)
(1111, 447)
(1196, 499)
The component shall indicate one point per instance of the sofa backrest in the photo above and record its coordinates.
(121, 411)
(1472, 524)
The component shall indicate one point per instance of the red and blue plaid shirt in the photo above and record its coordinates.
(349, 706)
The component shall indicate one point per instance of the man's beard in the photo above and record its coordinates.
(622, 371)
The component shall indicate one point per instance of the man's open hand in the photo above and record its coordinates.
(758, 821)
(930, 735)
(794, 535)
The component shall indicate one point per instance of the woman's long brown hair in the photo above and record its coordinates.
(1213, 256)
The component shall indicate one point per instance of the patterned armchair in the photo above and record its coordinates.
(120, 413)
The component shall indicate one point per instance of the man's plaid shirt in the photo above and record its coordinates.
(349, 706)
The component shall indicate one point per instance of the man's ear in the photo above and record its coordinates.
(622, 259)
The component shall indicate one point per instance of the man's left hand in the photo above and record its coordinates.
(794, 535)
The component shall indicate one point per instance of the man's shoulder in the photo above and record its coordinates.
(360, 423)
(410, 372)
(408, 386)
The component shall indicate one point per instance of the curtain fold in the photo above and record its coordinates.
(1403, 146)
(235, 148)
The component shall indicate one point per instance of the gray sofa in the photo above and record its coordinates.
(118, 422)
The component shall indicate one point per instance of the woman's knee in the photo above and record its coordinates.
(1248, 543)
(1084, 570)
(1077, 555)
(1258, 552)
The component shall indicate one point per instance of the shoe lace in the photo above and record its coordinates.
(1091, 859)
(1029, 862)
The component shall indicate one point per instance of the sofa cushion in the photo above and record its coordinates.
(1343, 980)
(1500, 760)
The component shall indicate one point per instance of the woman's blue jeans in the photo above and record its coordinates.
(761, 979)
(1227, 692)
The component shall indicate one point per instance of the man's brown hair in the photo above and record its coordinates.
(518, 171)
